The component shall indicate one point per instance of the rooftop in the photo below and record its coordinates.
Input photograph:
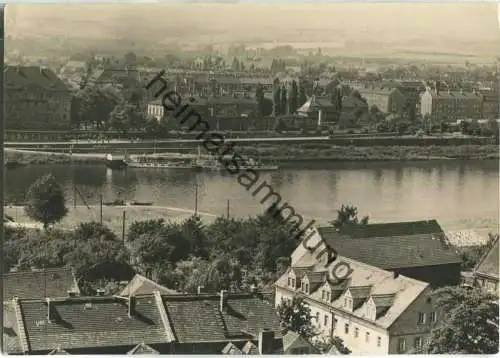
(22, 76)
(86, 322)
(141, 285)
(242, 318)
(393, 245)
(55, 282)
(488, 265)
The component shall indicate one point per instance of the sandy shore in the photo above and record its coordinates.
(112, 215)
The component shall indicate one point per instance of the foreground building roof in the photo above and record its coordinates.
(141, 285)
(140, 324)
(54, 282)
(241, 318)
(392, 245)
(488, 265)
(378, 296)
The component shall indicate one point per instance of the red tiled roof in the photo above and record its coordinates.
(242, 319)
(55, 282)
(86, 322)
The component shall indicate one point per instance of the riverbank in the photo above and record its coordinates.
(297, 153)
(112, 216)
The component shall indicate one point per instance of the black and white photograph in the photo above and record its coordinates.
(250, 177)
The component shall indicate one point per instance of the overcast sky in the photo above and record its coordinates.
(464, 20)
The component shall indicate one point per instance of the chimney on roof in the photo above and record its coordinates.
(266, 341)
(49, 309)
(131, 306)
(100, 292)
(223, 299)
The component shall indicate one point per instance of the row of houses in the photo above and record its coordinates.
(44, 313)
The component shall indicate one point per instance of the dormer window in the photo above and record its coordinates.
(348, 303)
(306, 290)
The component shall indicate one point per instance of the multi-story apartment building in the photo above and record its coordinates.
(373, 311)
(486, 272)
(438, 105)
(416, 249)
(490, 104)
(36, 99)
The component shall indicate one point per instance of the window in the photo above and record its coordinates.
(367, 337)
(293, 283)
(379, 341)
(347, 303)
(401, 345)
(325, 321)
(421, 318)
(328, 295)
(433, 317)
(289, 281)
(307, 288)
(346, 328)
(323, 294)
(356, 332)
(418, 342)
(317, 317)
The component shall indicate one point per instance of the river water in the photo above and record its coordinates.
(454, 192)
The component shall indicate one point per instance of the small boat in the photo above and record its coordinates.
(13, 164)
(141, 203)
(116, 202)
(115, 163)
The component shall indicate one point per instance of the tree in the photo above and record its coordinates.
(294, 98)
(45, 201)
(295, 316)
(283, 105)
(471, 255)
(470, 325)
(235, 65)
(302, 95)
(259, 97)
(348, 215)
(277, 100)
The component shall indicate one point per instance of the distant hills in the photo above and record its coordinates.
(463, 28)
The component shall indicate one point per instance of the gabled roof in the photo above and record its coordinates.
(392, 245)
(231, 349)
(242, 319)
(488, 265)
(141, 285)
(295, 340)
(383, 300)
(92, 322)
(250, 348)
(54, 282)
(142, 348)
(360, 291)
(11, 334)
(315, 277)
(405, 289)
(315, 103)
(19, 77)
(58, 351)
